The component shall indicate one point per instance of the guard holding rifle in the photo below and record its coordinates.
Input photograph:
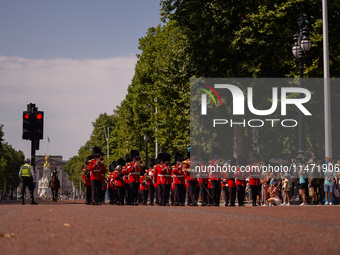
(97, 170)
(27, 180)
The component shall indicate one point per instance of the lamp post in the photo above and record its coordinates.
(146, 139)
(301, 46)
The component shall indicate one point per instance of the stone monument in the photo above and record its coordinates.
(44, 191)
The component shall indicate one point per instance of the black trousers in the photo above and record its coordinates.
(204, 193)
(88, 197)
(192, 188)
(166, 193)
(97, 190)
(254, 192)
(160, 193)
(145, 196)
(173, 196)
(27, 182)
(232, 195)
(215, 191)
(226, 195)
(241, 193)
(112, 194)
(189, 196)
(127, 193)
(180, 193)
(134, 188)
(120, 194)
(151, 189)
(210, 197)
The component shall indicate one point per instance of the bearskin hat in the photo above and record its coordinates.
(167, 157)
(232, 161)
(88, 159)
(96, 150)
(160, 157)
(204, 156)
(178, 156)
(121, 162)
(133, 154)
(113, 166)
(152, 162)
(241, 161)
(127, 158)
(216, 152)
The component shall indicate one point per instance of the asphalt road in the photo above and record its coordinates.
(75, 228)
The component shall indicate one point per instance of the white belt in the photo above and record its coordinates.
(134, 173)
(166, 175)
(178, 176)
(96, 170)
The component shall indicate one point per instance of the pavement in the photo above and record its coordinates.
(71, 227)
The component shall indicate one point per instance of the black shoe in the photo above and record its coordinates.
(231, 205)
(33, 202)
(87, 203)
(208, 204)
(176, 204)
(204, 204)
(167, 204)
(22, 202)
(225, 204)
(216, 204)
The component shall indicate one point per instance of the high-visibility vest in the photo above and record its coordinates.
(26, 170)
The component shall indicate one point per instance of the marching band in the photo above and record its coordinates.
(130, 182)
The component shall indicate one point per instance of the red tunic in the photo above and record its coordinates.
(158, 173)
(142, 184)
(96, 172)
(166, 172)
(86, 180)
(110, 180)
(178, 175)
(134, 170)
(119, 180)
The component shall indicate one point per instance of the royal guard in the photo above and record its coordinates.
(215, 176)
(166, 179)
(134, 170)
(210, 197)
(144, 189)
(231, 181)
(119, 182)
(225, 189)
(97, 170)
(254, 178)
(127, 196)
(149, 175)
(191, 175)
(111, 184)
(179, 180)
(204, 177)
(87, 181)
(158, 177)
(240, 180)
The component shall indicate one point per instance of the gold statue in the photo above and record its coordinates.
(46, 161)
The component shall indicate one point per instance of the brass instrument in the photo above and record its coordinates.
(102, 159)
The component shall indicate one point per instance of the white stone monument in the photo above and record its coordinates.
(44, 191)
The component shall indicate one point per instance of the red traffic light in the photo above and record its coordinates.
(26, 116)
(39, 116)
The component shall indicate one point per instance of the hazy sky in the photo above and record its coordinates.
(73, 58)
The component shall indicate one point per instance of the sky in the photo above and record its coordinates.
(74, 59)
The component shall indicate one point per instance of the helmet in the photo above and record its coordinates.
(27, 160)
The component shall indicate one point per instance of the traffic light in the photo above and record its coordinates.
(27, 125)
(39, 125)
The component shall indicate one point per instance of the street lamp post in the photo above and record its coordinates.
(301, 46)
(146, 139)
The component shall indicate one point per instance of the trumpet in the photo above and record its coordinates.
(102, 159)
